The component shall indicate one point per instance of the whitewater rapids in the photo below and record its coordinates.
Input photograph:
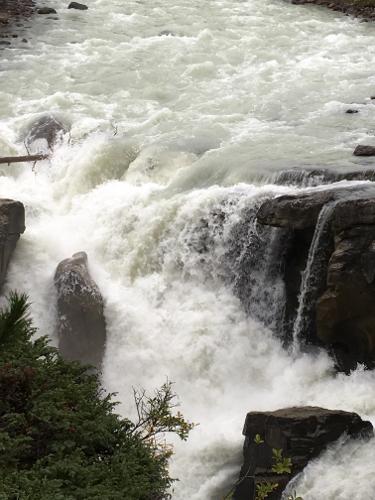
(180, 111)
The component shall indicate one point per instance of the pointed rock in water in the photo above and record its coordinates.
(80, 310)
(78, 6)
(363, 150)
(12, 225)
(302, 433)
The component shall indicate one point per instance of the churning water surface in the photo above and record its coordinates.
(179, 110)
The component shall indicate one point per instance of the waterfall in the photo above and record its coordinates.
(313, 275)
(257, 277)
(175, 139)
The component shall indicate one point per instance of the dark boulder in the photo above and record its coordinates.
(78, 6)
(302, 433)
(80, 311)
(46, 10)
(45, 132)
(12, 224)
(363, 150)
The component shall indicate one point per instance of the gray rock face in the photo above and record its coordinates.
(342, 314)
(81, 322)
(12, 225)
(302, 433)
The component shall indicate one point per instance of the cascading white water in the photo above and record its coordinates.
(311, 277)
(240, 89)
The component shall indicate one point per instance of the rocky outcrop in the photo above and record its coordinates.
(12, 225)
(302, 433)
(341, 296)
(80, 310)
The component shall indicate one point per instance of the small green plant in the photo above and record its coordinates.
(263, 489)
(281, 465)
(156, 417)
(258, 439)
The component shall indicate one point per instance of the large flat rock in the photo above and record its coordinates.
(301, 211)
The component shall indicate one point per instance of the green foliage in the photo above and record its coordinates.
(258, 439)
(59, 435)
(281, 465)
(263, 489)
(155, 415)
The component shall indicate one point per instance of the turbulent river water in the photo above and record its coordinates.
(181, 111)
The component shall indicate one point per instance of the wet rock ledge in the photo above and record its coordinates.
(364, 9)
(301, 433)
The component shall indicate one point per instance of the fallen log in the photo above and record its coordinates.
(19, 159)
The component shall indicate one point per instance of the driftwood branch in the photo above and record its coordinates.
(18, 159)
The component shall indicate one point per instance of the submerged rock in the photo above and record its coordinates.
(45, 132)
(301, 433)
(81, 324)
(12, 224)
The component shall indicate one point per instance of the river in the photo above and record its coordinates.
(179, 111)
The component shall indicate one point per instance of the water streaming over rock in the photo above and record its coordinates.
(314, 276)
(172, 139)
